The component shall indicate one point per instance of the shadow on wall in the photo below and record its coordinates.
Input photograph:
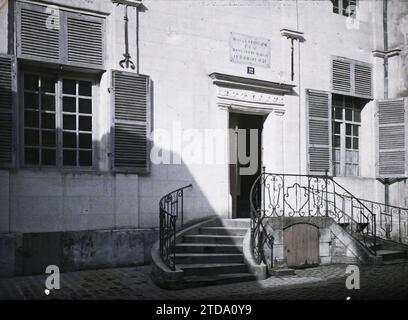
(86, 217)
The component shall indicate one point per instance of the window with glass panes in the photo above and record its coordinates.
(345, 130)
(57, 121)
(40, 120)
(345, 7)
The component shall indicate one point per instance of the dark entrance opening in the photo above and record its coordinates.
(240, 181)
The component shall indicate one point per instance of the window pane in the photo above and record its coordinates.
(339, 113)
(355, 130)
(337, 127)
(85, 158)
(48, 138)
(85, 106)
(69, 122)
(85, 141)
(31, 156)
(348, 129)
(69, 140)
(85, 88)
(31, 101)
(30, 82)
(31, 137)
(48, 120)
(337, 100)
(47, 84)
(336, 142)
(357, 116)
(85, 123)
(335, 6)
(349, 114)
(69, 158)
(348, 142)
(69, 86)
(48, 157)
(69, 104)
(31, 119)
(48, 102)
(355, 143)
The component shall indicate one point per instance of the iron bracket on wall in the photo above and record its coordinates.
(127, 61)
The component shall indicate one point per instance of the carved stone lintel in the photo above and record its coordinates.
(250, 96)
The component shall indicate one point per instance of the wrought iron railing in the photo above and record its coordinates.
(392, 221)
(171, 220)
(278, 195)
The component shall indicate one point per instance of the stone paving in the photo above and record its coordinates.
(324, 282)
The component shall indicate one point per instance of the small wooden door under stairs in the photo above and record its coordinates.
(301, 245)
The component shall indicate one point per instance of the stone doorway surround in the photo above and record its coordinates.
(251, 96)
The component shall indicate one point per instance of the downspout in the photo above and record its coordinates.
(385, 34)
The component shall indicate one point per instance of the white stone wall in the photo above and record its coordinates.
(180, 44)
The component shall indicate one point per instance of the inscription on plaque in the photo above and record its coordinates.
(250, 50)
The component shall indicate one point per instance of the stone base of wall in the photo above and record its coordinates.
(31, 253)
(335, 244)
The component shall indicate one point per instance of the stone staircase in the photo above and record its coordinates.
(391, 252)
(212, 254)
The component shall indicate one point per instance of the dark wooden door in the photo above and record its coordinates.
(301, 245)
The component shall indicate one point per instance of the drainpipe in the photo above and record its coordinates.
(385, 33)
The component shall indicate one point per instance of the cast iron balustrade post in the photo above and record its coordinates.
(171, 208)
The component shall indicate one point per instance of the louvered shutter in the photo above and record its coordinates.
(38, 37)
(319, 131)
(363, 80)
(7, 86)
(131, 128)
(341, 76)
(59, 36)
(392, 138)
(350, 77)
(84, 40)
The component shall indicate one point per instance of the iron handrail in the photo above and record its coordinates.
(171, 209)
(276, 194)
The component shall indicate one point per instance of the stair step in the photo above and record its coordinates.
(237, 223)
(208, 248)
(220, 239)
(395, 261)
(213, 268)
(392, 254)
(210, 280)
(233, 231)
(184, 258)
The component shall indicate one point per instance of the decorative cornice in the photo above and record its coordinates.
(292, 34)
(388, 54)
(230, 81)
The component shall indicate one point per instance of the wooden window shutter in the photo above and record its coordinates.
(351, 77)
(36, 38)
(392, 137)
(363, 86)
(85, 40)
(319, 131)
(7, 88)
(131, 119)
(341, 76)
(60, 36)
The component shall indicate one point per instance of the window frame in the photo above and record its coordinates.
(341, 8)
(59, 76)
(343, 136)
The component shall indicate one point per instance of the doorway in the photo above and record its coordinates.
(242, 175)
(301, 245)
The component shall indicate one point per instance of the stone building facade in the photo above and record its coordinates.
(87, 96)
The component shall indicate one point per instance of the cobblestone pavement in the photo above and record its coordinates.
(325, 282)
